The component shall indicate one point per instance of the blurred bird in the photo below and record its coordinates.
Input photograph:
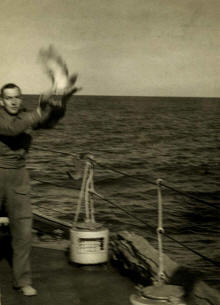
(56, 68)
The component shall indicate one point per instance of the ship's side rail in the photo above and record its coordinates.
(158, 183)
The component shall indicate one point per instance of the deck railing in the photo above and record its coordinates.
(88, 191)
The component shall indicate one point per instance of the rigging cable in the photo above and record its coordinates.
(55, 184)
(128, 213)
(122, 209)
(131, 176)
(146, 180)
(217, 264)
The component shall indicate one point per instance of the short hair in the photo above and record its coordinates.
(9, 86)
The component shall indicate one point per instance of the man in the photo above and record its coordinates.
(15, 142)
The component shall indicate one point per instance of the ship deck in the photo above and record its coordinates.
(59, 282)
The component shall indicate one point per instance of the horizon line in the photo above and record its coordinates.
(141, 96)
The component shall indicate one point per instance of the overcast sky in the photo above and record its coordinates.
(118, 47)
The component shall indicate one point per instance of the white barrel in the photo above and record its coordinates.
(89, 245)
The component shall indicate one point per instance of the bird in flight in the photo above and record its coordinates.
(56, 68)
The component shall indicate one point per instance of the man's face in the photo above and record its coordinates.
(12, 100)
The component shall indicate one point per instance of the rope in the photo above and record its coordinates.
(86, 195)
(130, 176)
(82, 193)
(217, 264)
(124, 210)
(190, 196)
(160, 231)
(153, 183)
(54, 151)
(122, 173)
(90, 190)
(54, 184)
(52, 209)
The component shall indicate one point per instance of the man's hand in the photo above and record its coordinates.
(44, 104)
(70, 89)
(50, 99)
(53, 104)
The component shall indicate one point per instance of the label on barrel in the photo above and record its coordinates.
(90, 245)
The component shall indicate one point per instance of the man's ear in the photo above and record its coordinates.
(1, 102)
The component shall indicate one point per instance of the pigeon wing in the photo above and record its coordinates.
(56, 68)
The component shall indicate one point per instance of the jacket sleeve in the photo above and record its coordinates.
(18, 124)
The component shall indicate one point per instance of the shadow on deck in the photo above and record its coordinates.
(59, 282)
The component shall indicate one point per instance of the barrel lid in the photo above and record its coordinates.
(163, 292)
(139, 300)
(87, 226)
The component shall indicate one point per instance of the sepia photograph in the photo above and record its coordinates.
(109, 152)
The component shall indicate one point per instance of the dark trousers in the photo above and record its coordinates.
(14, 194)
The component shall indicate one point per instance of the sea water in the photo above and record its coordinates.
(174, 139)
